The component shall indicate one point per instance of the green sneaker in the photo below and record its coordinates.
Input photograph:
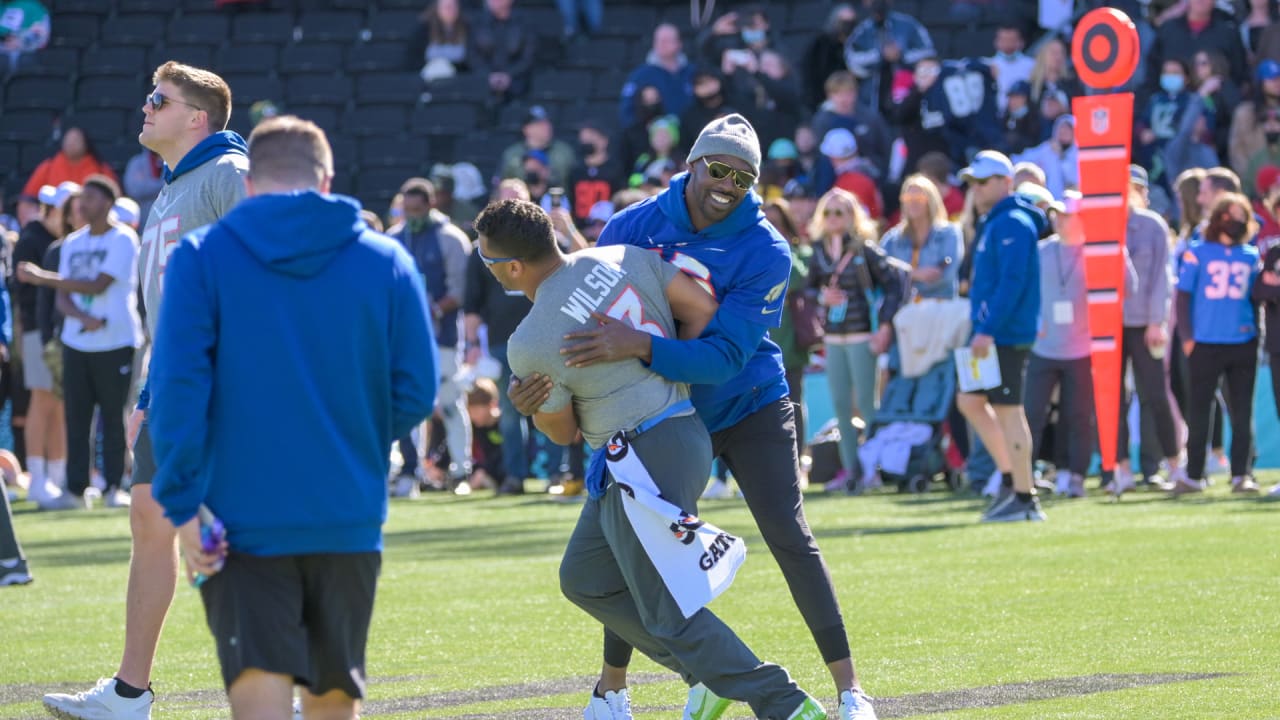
(810, 709)
(704, 704)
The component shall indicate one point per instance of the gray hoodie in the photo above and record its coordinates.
(1147, 242)
(1064, 333)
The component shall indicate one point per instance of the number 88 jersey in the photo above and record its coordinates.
(966, 95)
(1219, 278)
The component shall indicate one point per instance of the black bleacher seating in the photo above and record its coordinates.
(629, 20)
(26, 126)
(337, 26)
(393, 25)
(74, 30)
(107, 124)
(467, 87)
(375, 186)
(248, 88)
(376, 121)
(134, 29)
(379, 55)
(807, 16)
(53, 62)
(270, 27)
(10, 152)
(414, 5)
(972, 42)
(562, 85)
(197, 55)
(344, 153)
(445, 118)
(126, 6)
(511, 116)
(317, 89)
(326, 116)
(111, 92)
(31, 155)
(200, 29)
(392, 150)
(608, 85)
(387, 87)
(599, 54)
(114, 60)
(247, 58)
(93, 7)
(343, 183)
(37, 93)
(117, 153)
(311, 57)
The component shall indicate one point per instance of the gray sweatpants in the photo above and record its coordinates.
(606, 572)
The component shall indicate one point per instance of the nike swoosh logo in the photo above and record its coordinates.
(767, 311)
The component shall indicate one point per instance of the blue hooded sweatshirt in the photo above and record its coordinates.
(734, 368)
(1004, 294)
(294, 346)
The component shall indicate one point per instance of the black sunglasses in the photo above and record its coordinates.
(719, 171)
(157, 100)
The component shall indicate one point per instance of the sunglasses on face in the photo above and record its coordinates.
(719, 171)
(491, 261)
(157, 100)
(833, 213)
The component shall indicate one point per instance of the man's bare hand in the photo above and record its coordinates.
(529, 394)
(197, 561)
(614, 340)
(981, 345)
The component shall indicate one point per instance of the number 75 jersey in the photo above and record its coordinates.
(1219, 278)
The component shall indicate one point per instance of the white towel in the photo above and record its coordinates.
(696, 560)
(890, 448)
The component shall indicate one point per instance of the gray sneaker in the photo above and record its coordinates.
(1003, 495)
(1015, 510)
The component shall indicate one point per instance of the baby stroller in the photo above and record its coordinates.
(907, 439)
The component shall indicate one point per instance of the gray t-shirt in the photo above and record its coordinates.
(620, 281)
(196, 198)
(1064, 302)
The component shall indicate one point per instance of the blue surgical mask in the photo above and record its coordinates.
(1008, 57)
(1172, 84)
(753, 37)
(1019, 113)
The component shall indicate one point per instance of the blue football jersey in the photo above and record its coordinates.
(966, 94)
(1220, 280)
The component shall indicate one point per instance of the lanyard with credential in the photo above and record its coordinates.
(1064, 277)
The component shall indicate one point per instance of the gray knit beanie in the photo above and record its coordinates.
(729, 135)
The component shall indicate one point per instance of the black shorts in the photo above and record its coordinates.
(301, 615)
(1013, 375)
(144, 459)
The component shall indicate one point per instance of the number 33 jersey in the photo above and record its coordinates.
(190, 201)
(626, 283)
(1220, 280)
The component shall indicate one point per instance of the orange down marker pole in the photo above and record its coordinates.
(1105, 52)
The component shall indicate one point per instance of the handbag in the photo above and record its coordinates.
(806, 318)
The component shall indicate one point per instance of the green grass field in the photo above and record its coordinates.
(1151, 608)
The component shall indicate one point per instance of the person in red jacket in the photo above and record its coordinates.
(76, 161)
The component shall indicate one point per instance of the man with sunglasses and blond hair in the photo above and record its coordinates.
(710, 225)
(184, 122)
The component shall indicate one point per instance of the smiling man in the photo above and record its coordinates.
(709, 224)
(184, 122)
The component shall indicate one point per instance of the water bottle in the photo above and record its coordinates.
(835, 314)
(212, 534)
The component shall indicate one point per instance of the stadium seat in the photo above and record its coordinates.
(115, 60)
(414, 5)
(31, 155)
(317, 89)
(561, 85)
(511, 116)
(377, 121)
(248, 88)
(246, 58)
(326, 116)
(141, 29)
(388, 87)
(273, 27)
(972, 43)
(380, 55)
(10, 152)
(116, 152)
(467, 87)
(107, 123)
(375, 186)
(53, 62)
(311, 57)
(37, 93)
(111, 92)
(393, 25)
(337, 26)
(444, 118)
(27, 126)
(599, 53)
(200, 29)
(607, 86)
(629, 20)
(133, 6)
(391, 150)
(197, 55)
(543, 20)
(93, 7)
(344, 153)
(810, 17)
(75, 30)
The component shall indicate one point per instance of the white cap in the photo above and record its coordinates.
(987, 164)
(126, 211)
(64, 191)
(839, 143)
(48, 195)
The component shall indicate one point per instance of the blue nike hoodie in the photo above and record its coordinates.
(294, 346)
(734, 368)
(1004, 294)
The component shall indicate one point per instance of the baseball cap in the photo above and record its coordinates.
(536, 113)
(47, 195)
(1022, 87)
(1039, 194)
(783, 149)
(1058, 95)
(64, 191)
(1138, 176)
(987, 164)
(839, 143)
(126, 211)
(538, 155)
(1071, 200)
(600, 212)
(1268, 70)
(1266, 179)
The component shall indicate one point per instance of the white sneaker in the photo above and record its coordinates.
(117, 499)
(100, 703)
(855, 705)
(993, 484)
(406, 487)
(704, 704)
(64, 501)
(613, 706)
(1217, 465)
(1122, 483)
(297, 709)
(1062, 482)
(718, 490)
(1274, 492)
(462, 488)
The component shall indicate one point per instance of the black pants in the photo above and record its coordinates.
(761, 453)
(1148, 379)
(95, 380)
(1075, 427)
(1274, 362)
(795, 382)
(1237, 364)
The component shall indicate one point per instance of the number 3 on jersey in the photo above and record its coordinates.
(630, 310)
(1230, 280)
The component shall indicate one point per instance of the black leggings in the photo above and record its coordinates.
(1238, 365)
(101, 380)
(1075, 433)
(1149, 381)
(761, 453)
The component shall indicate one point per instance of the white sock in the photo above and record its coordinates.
(36, 469)
(57, 472)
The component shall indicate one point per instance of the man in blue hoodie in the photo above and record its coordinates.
(709, 224)
(1004, 298)
(237, 375)
(184, 122)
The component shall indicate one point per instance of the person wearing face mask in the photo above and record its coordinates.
(1010, 65)
(882, 43)
(710, 101)
(1058, 157)
(1218, 324)
(665, 68)
(737, 37)
(1158, 123)
(825, 54)
(597, 177)
(1201, 28)
(539, 134)
(633, 140)
(1021, 127)
(1193, 144)
(1255, 127)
